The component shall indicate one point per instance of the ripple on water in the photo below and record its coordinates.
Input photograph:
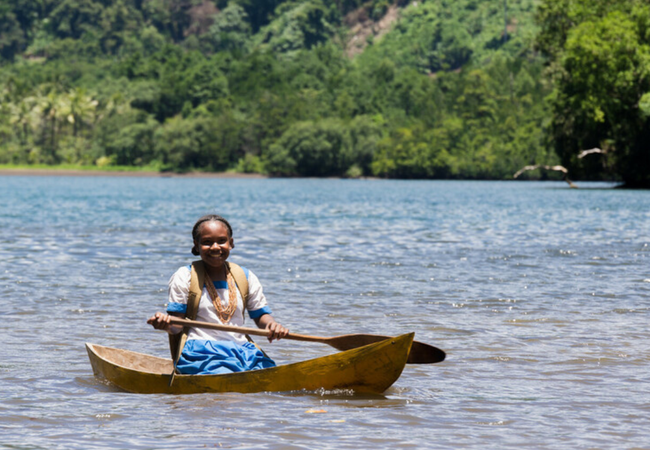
(542, 310)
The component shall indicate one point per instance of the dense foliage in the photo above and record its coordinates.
(422, 89)
(600, 63)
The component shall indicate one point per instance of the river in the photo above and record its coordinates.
(538, 293)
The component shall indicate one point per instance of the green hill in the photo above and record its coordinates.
(426, 89)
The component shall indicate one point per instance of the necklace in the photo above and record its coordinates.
(225, 313)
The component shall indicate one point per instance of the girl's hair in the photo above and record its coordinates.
(196, 231)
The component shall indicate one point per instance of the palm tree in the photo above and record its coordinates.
(81, 109)
(22, 115)
(49, 108)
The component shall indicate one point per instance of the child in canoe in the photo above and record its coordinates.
(213, 351)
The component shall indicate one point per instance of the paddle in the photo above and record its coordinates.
(420, 353)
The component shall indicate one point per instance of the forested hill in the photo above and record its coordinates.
(421, 89)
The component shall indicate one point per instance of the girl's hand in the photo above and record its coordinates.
(276, 331)
(162, 321)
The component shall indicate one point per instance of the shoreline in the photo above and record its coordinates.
(110, 173)
(52, 172)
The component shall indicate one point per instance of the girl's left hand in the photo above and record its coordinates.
(276, 331)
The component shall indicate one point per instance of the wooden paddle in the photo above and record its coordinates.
(420, 353)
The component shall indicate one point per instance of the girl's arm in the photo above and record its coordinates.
(267, 322)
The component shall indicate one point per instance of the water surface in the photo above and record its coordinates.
(538, 293)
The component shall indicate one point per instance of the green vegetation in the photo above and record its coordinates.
(422, 89)
(599, 52)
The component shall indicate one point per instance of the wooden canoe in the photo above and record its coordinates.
(369, 369)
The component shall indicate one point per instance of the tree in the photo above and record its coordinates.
(299, 25)
(195, 143)
(231, 30)
(128, 138)
(49, 106)
(11, 36)
(80, 111)
(601, 72)
(310, 149)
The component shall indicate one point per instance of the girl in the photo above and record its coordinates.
(212, 351)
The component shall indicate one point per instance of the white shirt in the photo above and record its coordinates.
(179, 286)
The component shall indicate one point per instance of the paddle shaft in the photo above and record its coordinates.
(243, 330)
(420, 353)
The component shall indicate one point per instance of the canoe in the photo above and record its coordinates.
(369, 369)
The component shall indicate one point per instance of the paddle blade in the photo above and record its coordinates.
(420, 353)
(425, 354)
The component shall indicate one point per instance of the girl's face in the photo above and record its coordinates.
(214, 244)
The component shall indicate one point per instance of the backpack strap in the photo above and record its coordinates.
(241, 281)
(197, 280)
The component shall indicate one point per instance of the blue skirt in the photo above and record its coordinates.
(201, 357)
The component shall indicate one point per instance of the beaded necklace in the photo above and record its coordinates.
(225, 313)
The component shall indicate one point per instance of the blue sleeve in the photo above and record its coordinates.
(259, 312)
(173, 307)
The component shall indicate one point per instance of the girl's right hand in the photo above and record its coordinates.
(160, 321)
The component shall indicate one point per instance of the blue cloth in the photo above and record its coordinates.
(203, 357)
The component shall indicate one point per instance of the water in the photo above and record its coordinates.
(538, 293)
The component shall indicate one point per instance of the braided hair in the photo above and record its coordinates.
(196, 230)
